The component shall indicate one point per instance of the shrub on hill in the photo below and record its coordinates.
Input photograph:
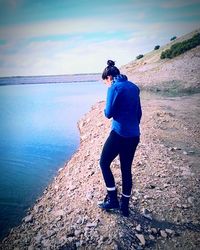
(179, 48)
(157, 47)
(139, 56)
(173, 38)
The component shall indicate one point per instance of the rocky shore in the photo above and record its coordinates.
(165, 201)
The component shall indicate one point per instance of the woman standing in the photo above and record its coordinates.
(123, 105)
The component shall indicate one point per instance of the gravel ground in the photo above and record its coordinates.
(165, 201)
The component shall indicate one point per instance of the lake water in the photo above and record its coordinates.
(38, 134)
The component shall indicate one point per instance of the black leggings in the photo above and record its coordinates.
(124, 147)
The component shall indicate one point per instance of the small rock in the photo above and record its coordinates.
(91, 224)
(177, 148)
(48, 209)
(38, 238)
(134, 198)
(163, 233)
(138, 228)
(77, 232)
(151, 237)
(154, 230)
(16, 242)
(141, 238)
(70, 239)
(169, 231)
(190, 200)
(152, 186)
(79, 221)
(46, 243)
(146, 214)
(50, 233)
(147, 197)
(59, 213)
(28, 218)
(89, 195)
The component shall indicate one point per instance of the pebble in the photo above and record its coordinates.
(151, 237)
(59, 213)
(169, 231)
(38, 238)
(91, 224)
(154, 230)
(138, 228)
(146, 214)
(190, 200)
(141, 238)
(28, 218)
(77, 232)
(163, 233)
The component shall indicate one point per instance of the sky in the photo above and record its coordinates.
(48, 37)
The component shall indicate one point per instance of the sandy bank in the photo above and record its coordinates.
(165, 201)
(177, 75)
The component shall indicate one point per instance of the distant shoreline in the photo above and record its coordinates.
(46, 79)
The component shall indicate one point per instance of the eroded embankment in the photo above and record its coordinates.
(165, 201)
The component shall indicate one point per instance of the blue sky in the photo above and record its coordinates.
(41, 37)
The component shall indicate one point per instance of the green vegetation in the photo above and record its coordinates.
(181, 47)
(173, 38)
(139, 56)
(157, 47)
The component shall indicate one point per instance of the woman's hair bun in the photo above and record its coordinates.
(110, 63)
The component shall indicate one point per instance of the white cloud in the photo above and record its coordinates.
(60, 57)
(43, 58)
(61, 27)
(178, 3)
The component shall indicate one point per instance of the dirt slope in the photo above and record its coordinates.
(166, 199)
(180, 74)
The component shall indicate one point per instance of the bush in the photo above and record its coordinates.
(157, 47)
(139, 56)
(173, 38)
(179, 48)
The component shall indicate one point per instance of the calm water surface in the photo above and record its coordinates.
(38, 134)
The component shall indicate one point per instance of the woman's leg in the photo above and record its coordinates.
(127, 151)
(109, 152)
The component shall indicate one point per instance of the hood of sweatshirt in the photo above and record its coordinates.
(120, 78)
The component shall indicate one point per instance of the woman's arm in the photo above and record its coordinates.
(111, 97)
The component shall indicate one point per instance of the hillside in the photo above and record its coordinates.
(180, 74)
(165, 202)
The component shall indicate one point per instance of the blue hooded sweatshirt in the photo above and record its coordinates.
(123, 105)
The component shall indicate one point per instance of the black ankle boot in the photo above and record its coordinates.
(124, 206)
(110, 201)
